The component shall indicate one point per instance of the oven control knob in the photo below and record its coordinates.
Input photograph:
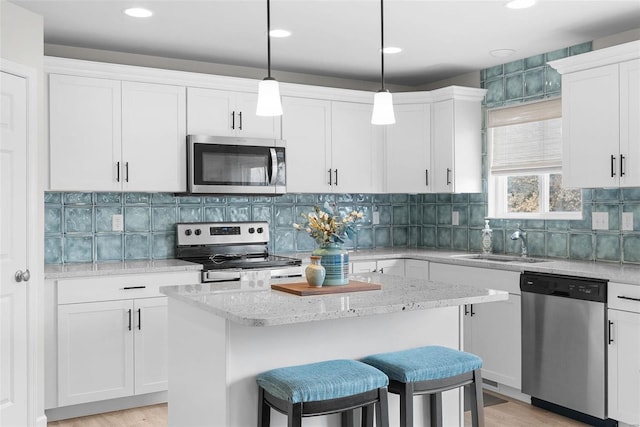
(252, 230)
(198, 232)
(260, 230)
(187, 232)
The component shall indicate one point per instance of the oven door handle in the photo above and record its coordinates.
(273, 173)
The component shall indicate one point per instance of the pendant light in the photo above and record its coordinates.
(269, 103)
(382, 100)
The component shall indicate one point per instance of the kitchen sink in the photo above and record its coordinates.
(501, 258)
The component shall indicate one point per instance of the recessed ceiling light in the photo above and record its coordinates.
(520, 4)
(138, 12)
(279, 33)
(392, 50)
(502, 53)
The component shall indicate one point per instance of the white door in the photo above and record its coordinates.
(13, 250)
(151, 344)
(442, 143)
(210, 112)
(629, 123)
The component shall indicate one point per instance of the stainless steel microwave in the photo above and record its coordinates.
(235, 165)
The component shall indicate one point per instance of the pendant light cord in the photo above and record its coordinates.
(381, 43)
(268, 39)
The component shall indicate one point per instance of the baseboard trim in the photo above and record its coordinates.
(92, 408)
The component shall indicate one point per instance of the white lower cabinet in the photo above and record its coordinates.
(111, 337)
(111, 349)
(491, 330)
(386, 266)
(416, 269)
(624, 353)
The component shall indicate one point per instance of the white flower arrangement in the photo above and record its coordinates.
(325, 227)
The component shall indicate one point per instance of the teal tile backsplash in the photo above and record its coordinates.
(78, 225)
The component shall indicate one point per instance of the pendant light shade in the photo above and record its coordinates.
(383, 108)
(269, 98)
(269, 103)
(382, 101)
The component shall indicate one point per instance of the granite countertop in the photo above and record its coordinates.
(63, 271)
(614, 272)
(270, 308)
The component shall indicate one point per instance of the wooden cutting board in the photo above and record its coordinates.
(303, 288)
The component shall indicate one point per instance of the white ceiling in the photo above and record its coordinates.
(337, 38)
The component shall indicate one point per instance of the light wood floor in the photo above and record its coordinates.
(513, 413)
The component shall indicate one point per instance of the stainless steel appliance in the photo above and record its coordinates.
(231, 165)
(225, 249)
(564, 345)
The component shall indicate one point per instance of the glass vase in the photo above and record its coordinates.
(335, 261)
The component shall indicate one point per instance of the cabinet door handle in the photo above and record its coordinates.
(126, 171)
(610, 332)
(126, 288)
(448, 176)
(240, 116)
(426, 177)
(472, 312)
(117, 171)
(129, 319)
(336, 171)
(330, 177)
(613, 165)
(629, 298)
(139, 319)
(466, 309)
(233, 120)
(621, 165)
(381, 270)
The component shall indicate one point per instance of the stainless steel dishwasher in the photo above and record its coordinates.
(564, 345)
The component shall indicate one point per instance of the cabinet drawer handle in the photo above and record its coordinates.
(330, 182)
(621, 165)
(129, 319)
(126, 288)
(610, 332)
(139, 319)
(613, 165)
(629, 298)
(448, 176)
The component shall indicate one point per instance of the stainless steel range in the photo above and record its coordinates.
(225, 249)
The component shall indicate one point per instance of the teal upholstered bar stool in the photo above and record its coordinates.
(334, 386)
(430, 371)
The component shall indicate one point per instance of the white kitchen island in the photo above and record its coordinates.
(220, 338)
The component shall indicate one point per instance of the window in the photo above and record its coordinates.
(525, 158)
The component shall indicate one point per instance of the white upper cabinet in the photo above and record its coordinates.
(456, 140)
(227, 113)
(108, 135)
(356, 148)
(408, 150)
(306, 126)
(153, 137)
(331, 146)
(84, 133)
(600, 110)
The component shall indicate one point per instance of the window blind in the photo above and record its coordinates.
(526, 138)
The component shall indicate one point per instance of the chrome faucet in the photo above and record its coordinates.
(522, 235)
